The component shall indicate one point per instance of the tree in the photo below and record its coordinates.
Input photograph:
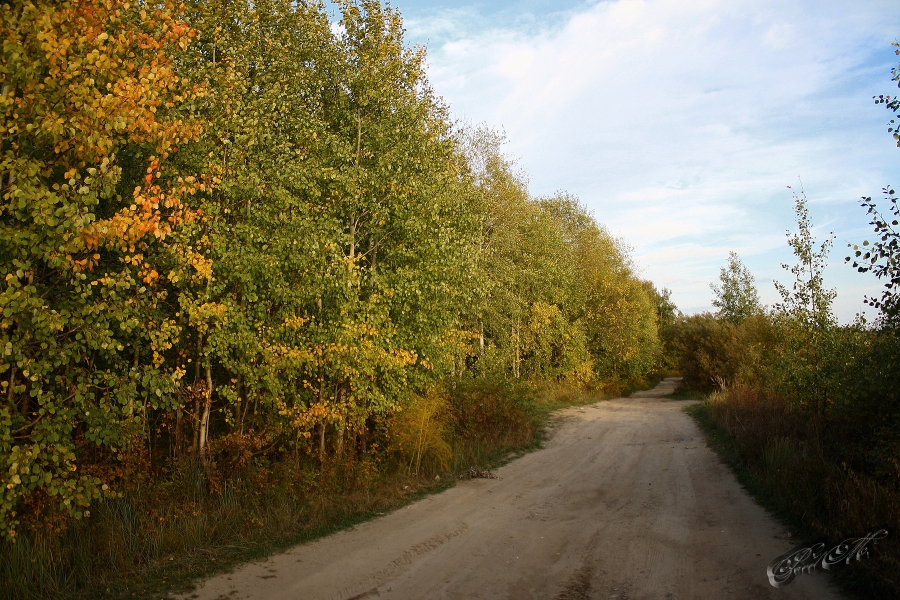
(311, 257)
(620, 317)
(808, 300)
(667, 318)
(89, 103)
(736, 297)
(557, 295)
(339, 233)
(522, 322)
(883, 257)
(808, 324)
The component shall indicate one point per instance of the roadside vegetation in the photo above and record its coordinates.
(257, 285)
(807, 411)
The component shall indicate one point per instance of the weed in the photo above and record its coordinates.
(189, 523)
(777, 453)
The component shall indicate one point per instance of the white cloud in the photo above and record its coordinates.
(681, 123)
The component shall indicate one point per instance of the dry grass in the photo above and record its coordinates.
(168, 531)
(782, 455)
(152, 541)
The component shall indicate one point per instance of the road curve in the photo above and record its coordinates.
(624, 502)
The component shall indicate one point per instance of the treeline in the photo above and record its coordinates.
(807, 410)
(239, 234)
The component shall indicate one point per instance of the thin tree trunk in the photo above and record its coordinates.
(179, 412)
(4, 91)
(342, 424)
(321, 388)
(517, 359)
(246, 403)
(195, 423)
(204, 422)
(426, 417)
(25, 402)
(358, 135)
(195, 417)
(179, 442)
(151, 439)
(352, 242)
(322, 423)
(339, 442)
(238, 405)
(10, 385)
(130, 410)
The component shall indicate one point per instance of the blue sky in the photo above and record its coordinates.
(681, 124)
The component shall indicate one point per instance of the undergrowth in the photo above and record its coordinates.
(186, 523)
(778, 454)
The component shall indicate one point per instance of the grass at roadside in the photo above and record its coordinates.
(164, 534)
(143, 546)
(778, 461)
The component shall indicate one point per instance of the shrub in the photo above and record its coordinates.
(713, 350)
(786, 454)
(418, 433)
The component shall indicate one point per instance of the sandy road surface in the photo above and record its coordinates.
(625, 501)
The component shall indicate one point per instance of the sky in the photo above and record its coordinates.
(681, 124)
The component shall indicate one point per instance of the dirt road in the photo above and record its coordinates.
(625, 501)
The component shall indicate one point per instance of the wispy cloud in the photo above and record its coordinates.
(681, 124)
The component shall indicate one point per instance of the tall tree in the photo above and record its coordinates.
(808, 320)
(338, 233)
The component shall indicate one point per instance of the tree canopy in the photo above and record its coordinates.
(234, 230)
(735, 296)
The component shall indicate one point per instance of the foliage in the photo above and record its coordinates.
(87, 204)
(736, 297)
(714, 352)
(808, 329)
(556, 297)
(667, 318)
(808, 408)
(780, 455)
(808, 300)
(620, 315)
(499, 412)
(339, 243)
(242, 240)
(883, 258)
(419, 433)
